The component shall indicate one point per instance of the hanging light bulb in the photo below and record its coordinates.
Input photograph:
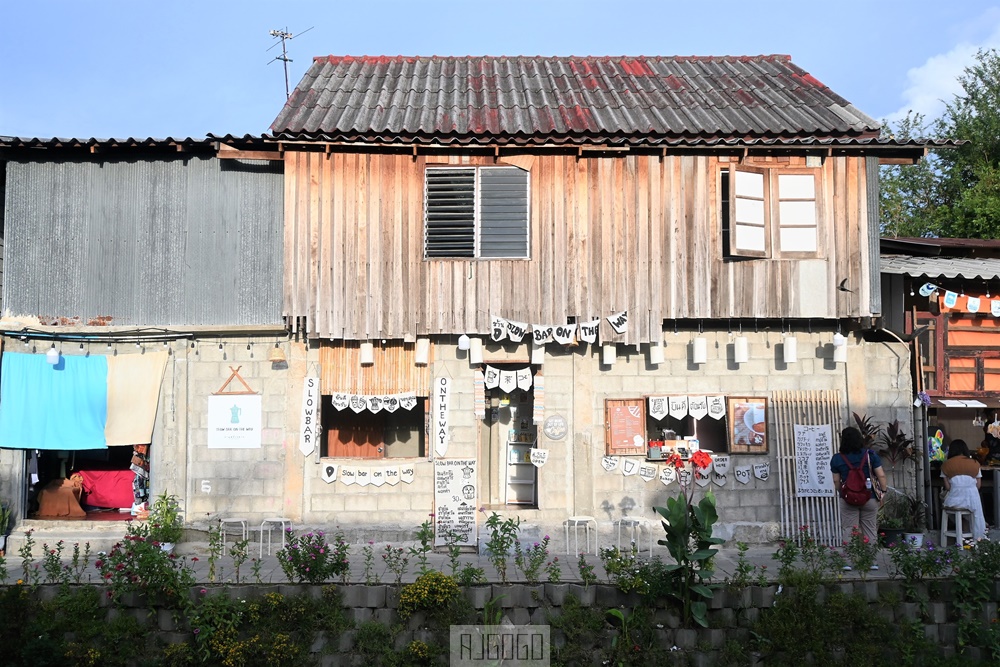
(911, 290)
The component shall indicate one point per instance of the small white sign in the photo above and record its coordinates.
(442, 408)
(647, 472)
(629, 467)
(609, 463)
(378, 476)
(329, 472)
(348, 475)
(392, 476)
(234, 421)
(742, 474)
(668, 475)
(364, 476)
(539, 457)
(762, 471)
(406, 474)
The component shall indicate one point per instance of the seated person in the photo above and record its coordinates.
(962, 480)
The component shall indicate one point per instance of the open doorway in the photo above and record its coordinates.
(508, 436)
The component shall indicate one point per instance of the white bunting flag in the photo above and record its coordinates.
(927, 289)
(719, 479)
(668, 475)
(516, 330)
(588, 331)
(657, 407)
(539, 457)
(697, 406)
(542, 333)
(629, 467)
(492, 377)
(619, 322)
(678, 407)
(340, 401)
(973, 306)
(508, 381)
(995, 307)
(647, 472)
(523, 379)
(390, 403)
(721, 463)
(406, 474)
(408, 401)
(762, 471)
(563, 334)
(330, 473)
(374, 404)
(609, 463)
(378, 476)
(684, 477)
(498, 329)
(702, 476)
(364, 476)
(392, 476)
(359, 403)
(716, 407)
(742, 474)
(950, 299)
(348, 475)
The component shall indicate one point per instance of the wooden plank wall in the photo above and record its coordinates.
(636, 232)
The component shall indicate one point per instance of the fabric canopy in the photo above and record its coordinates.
(133, 393)
(45, 406)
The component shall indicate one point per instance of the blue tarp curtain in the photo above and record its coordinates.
(42, 406)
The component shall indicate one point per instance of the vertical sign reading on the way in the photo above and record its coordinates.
(442, 404)
(456, 498)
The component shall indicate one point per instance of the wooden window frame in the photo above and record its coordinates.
(477, 206)
(772, 218)
(627, 450)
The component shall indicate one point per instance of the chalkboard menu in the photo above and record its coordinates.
(625, 426)
(456, 499)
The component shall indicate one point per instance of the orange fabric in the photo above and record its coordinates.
(960, 465)
(61, 498)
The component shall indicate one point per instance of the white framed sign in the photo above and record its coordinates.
(456, 499)
(234, 421)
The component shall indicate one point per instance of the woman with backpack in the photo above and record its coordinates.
(962, 479)
(860, 492)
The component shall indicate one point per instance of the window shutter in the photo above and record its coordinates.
(450, 212)
(748, 213)
(503, 212)
(797, 226)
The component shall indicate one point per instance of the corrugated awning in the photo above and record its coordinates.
(965, 403)
(933, 267)
(394, 371)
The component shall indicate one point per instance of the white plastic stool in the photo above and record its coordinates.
(234, 521)
(636, 527)
(268, 524)
(957, 515)
(575, 522)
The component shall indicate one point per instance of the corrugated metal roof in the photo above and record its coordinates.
(947, 267)
(95, 143)
(529, 99)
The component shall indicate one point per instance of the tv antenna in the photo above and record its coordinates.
(285, 37)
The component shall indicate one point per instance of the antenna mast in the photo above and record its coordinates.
(284, 36)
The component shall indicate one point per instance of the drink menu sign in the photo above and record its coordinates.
(456, 498)
(625, 426)
(813, 451)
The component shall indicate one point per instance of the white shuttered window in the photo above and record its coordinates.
(767, 213)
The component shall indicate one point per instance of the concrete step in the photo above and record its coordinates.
(101, 535)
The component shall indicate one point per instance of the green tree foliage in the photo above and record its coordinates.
(954, 192)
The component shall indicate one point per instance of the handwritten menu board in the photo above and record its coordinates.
(456, 499)
(813, 451)
(625, 426)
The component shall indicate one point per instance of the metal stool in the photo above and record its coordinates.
(957, 515)
(268, 524)
(575, 522)
(234, 521)
(636, 527)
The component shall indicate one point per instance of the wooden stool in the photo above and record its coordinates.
(575, 522)
(234, 521)
(957, 515)
(636, 527)
(268, 524)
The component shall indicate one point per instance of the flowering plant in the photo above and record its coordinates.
(530, 561)
(503, 536)
(309, 559)
(860, 552)
(166, 524)
(138, 564)
(917, 563)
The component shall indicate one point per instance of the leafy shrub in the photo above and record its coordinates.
(138, 564)
(431, 591)
(309, 559)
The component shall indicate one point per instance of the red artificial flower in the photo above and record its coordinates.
(701, 458)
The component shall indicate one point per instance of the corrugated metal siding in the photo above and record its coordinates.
(872, 194)
(194, 241)
(393, 372)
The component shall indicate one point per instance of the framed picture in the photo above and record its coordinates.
(625, 427)
(747, 425)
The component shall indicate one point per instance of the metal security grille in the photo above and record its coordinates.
(822, 515)
(476, 212)
(450, 213)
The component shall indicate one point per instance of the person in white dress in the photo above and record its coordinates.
(962, 479)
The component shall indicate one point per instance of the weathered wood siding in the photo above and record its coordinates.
(637, 232)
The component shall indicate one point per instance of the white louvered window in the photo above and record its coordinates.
(476, 212)
(767, 213)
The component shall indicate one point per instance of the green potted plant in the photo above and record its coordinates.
(893, 516)
(916, 520)
(166, 523)
(6, 519)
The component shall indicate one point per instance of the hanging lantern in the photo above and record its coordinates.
(422, 354)
(476, 351)
(790, 350)
(655, 354)
(699, 350)
(608, 354)
(367, 354)
(741, 350)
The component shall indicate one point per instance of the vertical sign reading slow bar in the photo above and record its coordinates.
(310, 413)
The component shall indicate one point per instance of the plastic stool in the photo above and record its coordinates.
(234, 521)
(957, 515)
(268, 524)
(575, 522)
(636, 527)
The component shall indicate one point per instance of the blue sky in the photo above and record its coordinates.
(102, 68)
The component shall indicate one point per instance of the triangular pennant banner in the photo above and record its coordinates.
(697, 406)
(406, 474)
(523, 379)
(619, 322)
(609, 463)
(973, 304)
(340, 401)
(702, 476)
(762, 471)
(721, 463)
(508, 381)
(378, 476)
(678, 407)
(392, 476)
(668, 475)
(390, 403)
(492, 377)
(742, 474)
(348, 475)
(588, 331)
(719, 479)
(647, 472)
(330, 473)
(950, 299)
(408, 401)
(359, 403)
(716, 407)
(375, 404)
(542, 333)
(498, 329)
(364, 476)
(516, 330)
(657, 407)
(563, 334)
(927, 289)
(629, 467)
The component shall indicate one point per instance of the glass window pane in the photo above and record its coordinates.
(749, 210)
(797, 213)
(749, 184)
(750, 238)
(797, 239)
(796, 186)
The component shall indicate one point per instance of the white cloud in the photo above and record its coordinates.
(935, 82)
